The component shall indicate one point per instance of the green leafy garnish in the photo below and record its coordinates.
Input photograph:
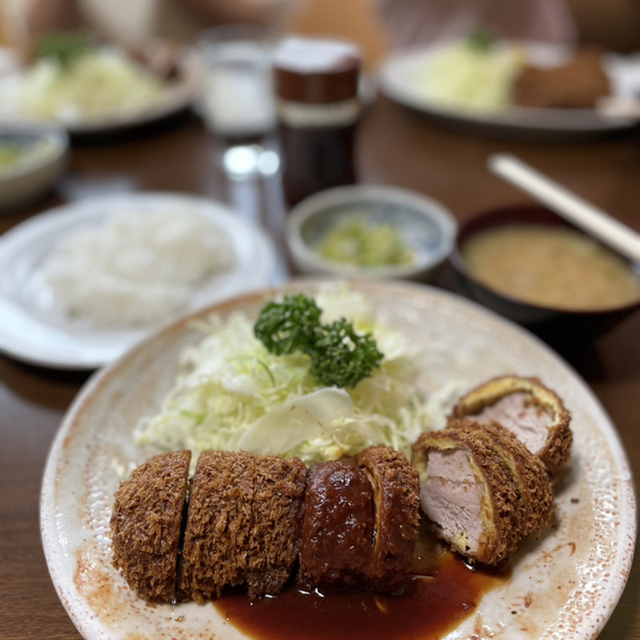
(64, 47)
(288, 326)
(339, 355)
(480, 40)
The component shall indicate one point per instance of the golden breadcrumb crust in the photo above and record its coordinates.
(527, 468)
(243, 524)
(145, 525)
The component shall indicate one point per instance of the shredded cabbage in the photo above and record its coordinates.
(462, 76)
(101, 84)
(232, 394)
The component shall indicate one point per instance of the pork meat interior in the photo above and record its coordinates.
(531, 411)
(477, 492)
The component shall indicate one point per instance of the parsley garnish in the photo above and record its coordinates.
(339, 355)
(480, 40)
(64, 47)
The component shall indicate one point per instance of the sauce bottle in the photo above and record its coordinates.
(318, 108)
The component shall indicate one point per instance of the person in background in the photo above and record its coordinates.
(376, 25)
(379, 26)
(427, 21)
(611, 24)
(24, 22)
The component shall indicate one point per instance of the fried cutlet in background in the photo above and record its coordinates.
(578, 84)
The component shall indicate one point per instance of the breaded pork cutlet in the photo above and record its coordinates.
(243, 524)
(216, 537)
(146, 522)
(277, 509)
(577, 84)
(467, 493)
(534, 413)
(396, 500)
(337, 529)
(533, 481)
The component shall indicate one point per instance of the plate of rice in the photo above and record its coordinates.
(83, 282)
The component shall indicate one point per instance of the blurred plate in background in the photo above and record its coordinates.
(36, 330)
(181, 88)
(404, 77)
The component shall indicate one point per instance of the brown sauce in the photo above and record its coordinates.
(316, 159)
(436, 606)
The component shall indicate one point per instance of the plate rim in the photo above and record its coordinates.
(591, 623)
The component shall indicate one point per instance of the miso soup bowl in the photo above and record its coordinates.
(559, 327)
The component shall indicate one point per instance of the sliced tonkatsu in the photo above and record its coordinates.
(530, 473)
(396, 501)
(337, 530)
(217, 534)
(468, 494)
(145, 525)
(482, 490)
(534, 413)
(257, 521)
(243, 524)
(276, 530)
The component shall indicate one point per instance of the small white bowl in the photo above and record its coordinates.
(426, 227)
(44, 160)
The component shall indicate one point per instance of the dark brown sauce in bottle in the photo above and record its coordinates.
(436, 606)
(316, 84)
(316, 159)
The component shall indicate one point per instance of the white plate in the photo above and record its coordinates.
(34, 330)
(565, 585)
(180, 93)
(402, 78)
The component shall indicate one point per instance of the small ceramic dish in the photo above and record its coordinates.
(423, 228)
(556, 325)
(32, 159)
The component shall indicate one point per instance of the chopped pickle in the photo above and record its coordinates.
(356, 242)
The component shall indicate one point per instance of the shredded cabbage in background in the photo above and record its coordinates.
(232, 394)
(101, 84)
(462, 76)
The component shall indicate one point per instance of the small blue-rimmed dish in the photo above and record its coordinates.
(32, 159)
(424, 226)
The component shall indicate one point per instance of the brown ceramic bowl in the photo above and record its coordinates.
(557, 326)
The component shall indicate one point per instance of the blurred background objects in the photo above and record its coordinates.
(375, 26)
(130, 22)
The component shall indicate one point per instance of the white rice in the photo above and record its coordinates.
(136, 269)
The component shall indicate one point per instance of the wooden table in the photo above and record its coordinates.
(396, 147)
